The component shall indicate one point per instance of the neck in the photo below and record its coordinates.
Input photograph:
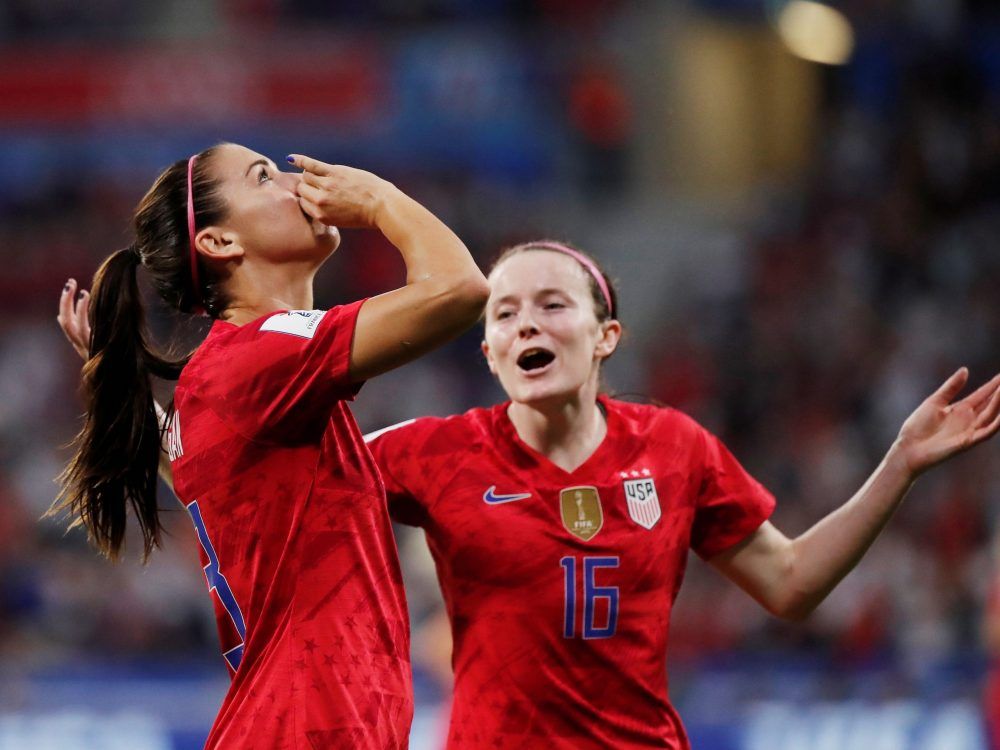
(567, 432)
(253, 294)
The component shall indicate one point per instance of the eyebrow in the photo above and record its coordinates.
(540, 293)
(265, 162)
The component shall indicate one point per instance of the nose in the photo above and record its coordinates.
(289, 180)
(526, 324)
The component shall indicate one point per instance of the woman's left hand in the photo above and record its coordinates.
(73, 320)
(939, 429)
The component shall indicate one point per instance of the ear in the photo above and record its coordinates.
(489, 359)
(611, 334)
(218, 244)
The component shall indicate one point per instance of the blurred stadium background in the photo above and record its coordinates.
(803, 250)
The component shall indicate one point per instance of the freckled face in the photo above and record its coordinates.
(264, 209)
(543, 340)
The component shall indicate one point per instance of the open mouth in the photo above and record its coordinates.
(535, 359)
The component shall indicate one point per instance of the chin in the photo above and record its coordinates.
(539, 394)
(329, 237)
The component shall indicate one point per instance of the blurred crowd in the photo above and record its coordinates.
(860, 285)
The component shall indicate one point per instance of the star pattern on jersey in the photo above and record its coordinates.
(483, 558)
(313, 568)
(635, 473)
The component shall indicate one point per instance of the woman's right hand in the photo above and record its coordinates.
(73, 318)
(337, 195)
(445, 291)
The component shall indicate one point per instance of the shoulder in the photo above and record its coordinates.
(650, 419)
(283, 325)
(291, 326)
(274, 334)
(224, 339)
(414, 455)
(300, 323)
(450, 429)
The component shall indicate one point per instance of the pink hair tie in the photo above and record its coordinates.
(199, 308)
(584, 261)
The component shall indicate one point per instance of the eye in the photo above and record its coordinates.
(504, 314)
(554, 305)
(263, 175)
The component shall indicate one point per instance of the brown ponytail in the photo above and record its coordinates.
(118, 448)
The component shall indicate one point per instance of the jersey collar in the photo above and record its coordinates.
(527, 456)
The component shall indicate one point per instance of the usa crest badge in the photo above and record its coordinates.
(581, 511)
(643, 502)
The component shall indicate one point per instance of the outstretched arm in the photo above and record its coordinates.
(75, 323)
(790, 577)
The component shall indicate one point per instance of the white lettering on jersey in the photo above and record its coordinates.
(173, 439)
(296, 322)
(643, 502)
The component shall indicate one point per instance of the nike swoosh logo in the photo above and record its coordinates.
(491, 498)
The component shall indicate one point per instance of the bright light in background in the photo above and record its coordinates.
(816, 32)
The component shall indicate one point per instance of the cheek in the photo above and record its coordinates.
(501, 354)
(579, 347)
(287, 208)
(267, 215)
(496, 342)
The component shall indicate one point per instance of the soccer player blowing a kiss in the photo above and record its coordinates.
(560, 530)
(265, 455)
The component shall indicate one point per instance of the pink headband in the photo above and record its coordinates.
(190, 216)
(584, 261)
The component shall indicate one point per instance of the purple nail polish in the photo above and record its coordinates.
(66, 287)
(290, 159)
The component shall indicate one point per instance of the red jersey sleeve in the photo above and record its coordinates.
(399, 465)
(284, 373)
(731, 503)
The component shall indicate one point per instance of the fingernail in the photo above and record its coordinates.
(290, 159)
(80, 295)
(66, 287)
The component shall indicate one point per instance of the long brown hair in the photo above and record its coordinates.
(117, 449)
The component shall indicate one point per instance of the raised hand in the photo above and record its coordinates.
(337, 195)
(73, 319)
(939, 429)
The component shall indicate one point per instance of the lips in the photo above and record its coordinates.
(535, 359)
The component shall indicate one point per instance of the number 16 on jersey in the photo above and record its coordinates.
(592, 593)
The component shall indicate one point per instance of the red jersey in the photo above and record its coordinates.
(559, 584)
(296, 540)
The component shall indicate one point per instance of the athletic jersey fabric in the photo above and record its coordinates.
(559, 584)
(296, 540)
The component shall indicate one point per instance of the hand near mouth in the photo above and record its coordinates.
(337, 195)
